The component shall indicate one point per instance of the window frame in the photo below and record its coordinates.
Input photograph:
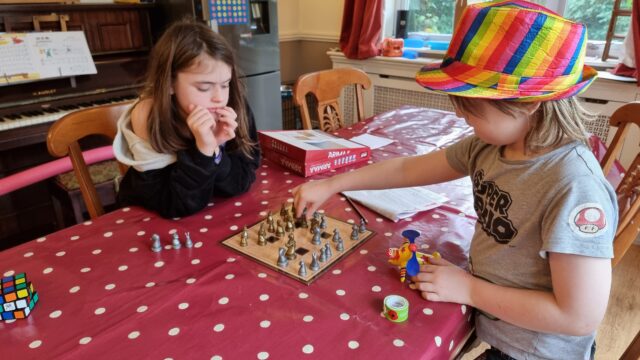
(392, 6)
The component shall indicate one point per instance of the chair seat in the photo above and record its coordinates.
(100, 172)
(68, 203)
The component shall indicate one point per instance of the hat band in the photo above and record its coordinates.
(507, 82)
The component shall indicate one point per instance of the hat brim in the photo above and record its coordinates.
(436, 78)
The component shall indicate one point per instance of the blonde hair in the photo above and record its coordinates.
(552, 123)
(179, 48)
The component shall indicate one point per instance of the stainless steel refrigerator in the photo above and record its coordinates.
(255, 40)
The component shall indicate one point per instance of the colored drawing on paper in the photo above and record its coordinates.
(290, 246)
(229, 12)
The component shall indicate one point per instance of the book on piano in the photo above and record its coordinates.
(310, 152)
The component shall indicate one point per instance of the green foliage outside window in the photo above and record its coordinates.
(431, 16)
(436, 16)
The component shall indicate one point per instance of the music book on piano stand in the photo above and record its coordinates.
(43, 55)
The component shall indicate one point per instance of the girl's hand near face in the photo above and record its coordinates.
(202, 125)
(226, 124)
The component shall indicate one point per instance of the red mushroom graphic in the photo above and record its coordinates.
(590, 220)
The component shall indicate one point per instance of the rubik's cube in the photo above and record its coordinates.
(18, 297)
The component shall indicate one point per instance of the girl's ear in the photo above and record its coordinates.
(171, 92)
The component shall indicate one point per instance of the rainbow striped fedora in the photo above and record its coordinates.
(512, 50)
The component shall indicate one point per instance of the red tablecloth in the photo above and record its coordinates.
(104, 294)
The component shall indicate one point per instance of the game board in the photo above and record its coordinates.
(269, 254)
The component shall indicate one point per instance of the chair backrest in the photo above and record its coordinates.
(63, 137)
(326, 85)
(628, 190)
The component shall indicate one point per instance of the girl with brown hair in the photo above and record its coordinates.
(191, 135)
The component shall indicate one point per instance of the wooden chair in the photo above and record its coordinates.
(326, 85)
(629, 188)
(628, 200)
(63, 137)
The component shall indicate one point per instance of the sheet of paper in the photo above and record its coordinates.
(396, 204)
(372, 141)
(610, 76)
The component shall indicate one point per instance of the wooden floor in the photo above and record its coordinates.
(622, 321)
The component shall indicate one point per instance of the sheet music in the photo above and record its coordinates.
(43, 55)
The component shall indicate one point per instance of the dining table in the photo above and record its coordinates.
(104, 294)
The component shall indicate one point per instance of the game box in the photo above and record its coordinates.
(311, 152)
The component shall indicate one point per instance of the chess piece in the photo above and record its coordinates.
(323, 222)
(272, 226)
(314, 223)
(291, 250)
(340, 245)
(262, 241)
(176, 241)
(354, 232)
(289, 225)
(303, 222)
(323, 255)
(244, 239)
(282, 260)
(261, 231)
(316, 215)
(303, 269)
(327, 250)
(315, 265)
(316, 236)
(363, 226)
(187, 240)
(156, 246)
(336, 235)
(293, 210)
(283, 211)
(279, 230)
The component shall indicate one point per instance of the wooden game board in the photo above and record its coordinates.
(268, 254)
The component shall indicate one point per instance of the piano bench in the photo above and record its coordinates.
(67, 199)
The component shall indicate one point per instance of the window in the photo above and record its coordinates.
(433, 19)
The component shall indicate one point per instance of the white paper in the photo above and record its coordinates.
(610, 76)
(396, 204)
(372, 141)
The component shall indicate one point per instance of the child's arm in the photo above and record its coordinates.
(426, 169)
(575, 307)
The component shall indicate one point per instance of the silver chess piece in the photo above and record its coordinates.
(327, 250)
(354, 232)
(363, 226)
(282, 259)
(187, 240)
(156, 245)
(303, 269)
(175, 241)
(315, 265)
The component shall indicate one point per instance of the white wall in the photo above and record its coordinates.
(318, 20)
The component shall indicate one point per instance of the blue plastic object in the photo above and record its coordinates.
(413, 43)
(438, 45)
(410, 54)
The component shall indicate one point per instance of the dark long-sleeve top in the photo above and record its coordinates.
(188, 184)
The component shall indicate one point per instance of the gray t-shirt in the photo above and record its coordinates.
(557, 202)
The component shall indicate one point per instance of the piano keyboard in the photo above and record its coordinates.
(30, 118)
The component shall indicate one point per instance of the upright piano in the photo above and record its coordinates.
(119, 37)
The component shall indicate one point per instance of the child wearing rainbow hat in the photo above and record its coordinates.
(540, 270)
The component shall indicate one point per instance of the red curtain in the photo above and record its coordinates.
(622, 69)
(361, 28)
